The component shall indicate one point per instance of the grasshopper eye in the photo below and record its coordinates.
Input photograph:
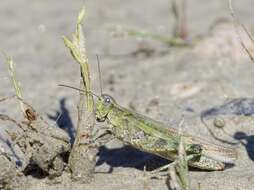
(107, 99)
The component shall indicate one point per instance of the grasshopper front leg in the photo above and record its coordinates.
(103, 138)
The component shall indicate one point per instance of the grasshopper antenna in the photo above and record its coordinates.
(89, 92)
(99, 71)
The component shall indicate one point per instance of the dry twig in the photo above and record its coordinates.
(238, 25)
(82, 158)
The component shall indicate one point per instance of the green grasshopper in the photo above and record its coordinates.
(157, 138)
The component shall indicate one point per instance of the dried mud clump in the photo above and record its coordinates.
(44, 147)
(10, 176)
(8, 173)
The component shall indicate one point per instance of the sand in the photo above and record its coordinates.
(180, 80)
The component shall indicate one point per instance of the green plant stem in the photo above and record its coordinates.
(82, 158)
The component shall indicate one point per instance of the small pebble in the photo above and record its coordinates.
(219, 122)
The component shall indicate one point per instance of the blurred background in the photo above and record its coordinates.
(31, 32)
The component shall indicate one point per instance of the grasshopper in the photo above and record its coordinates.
(157, 138)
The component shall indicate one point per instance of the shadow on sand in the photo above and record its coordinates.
(63, 120)
(247, 141)
(130, 157)
(237, 107)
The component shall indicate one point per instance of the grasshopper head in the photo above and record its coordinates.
(103, 107)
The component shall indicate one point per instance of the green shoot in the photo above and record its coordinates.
(10, 64)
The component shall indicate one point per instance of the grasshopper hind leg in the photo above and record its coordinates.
(165, 167)
(208, 164)
(194, 151)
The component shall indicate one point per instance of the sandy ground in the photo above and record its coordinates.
(181, 81)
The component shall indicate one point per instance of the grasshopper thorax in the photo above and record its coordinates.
(103, 106)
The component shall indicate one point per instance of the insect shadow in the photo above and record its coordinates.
(63, 120)
(130, 157)
(237, 107)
